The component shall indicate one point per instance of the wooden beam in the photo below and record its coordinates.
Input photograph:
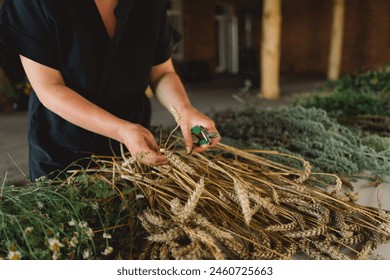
(336, 40)
(270, 50)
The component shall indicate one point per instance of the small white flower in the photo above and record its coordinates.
(28, 230)
(83, 224)
(40, 179)
(86, 254)
(107, 235)
(14, 255)
(73, 242)
(95, 206)
(72, 223)
(40, 205)
(55, 245)
(56, 255)
(46, 216)
(108, 251)
(139, 196)
(89, 232)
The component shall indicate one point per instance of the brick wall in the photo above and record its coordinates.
(305, 33)
(367, 34)
(199, 31)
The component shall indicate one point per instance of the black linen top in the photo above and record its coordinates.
(70, 36)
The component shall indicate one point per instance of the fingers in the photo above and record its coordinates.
(154, 159)
(187, 139)
(152, 156)
(209, 138)
(146, 155)
(142, 146)
(203, 148)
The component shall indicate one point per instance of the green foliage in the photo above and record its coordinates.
(79, 218)
(361, 101)
(361, 94)
(376, 80)
(349, 102)
(378, 143)
(307, 133)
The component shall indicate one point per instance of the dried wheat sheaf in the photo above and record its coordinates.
(234, 204)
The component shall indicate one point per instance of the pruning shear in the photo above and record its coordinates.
(201, 136)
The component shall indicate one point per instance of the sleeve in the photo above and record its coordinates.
(169, 37)
(27, 28)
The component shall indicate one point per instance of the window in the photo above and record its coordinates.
(227, 38)
(175, 14)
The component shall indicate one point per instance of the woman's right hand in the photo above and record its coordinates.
(140, 141)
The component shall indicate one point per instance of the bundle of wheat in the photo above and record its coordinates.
(235, 204)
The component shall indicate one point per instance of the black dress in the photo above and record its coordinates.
(70, 36)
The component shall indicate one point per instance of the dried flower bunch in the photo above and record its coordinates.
(307, 133)
(236, 204)
(361, 100)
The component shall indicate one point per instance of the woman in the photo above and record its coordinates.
(89, 63)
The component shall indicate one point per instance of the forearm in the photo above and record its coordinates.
(81, 112)
(51, 90)
(170, 92)
(76, 109)
(168, 87)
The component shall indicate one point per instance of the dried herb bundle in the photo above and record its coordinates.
(307, 133)
(240, 205)
(375, 80)
(361, 100)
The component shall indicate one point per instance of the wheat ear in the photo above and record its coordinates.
(177, 118)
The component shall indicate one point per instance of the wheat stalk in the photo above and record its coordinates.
(252, 208)
(243, 198)
(189, 207)
(177, 162)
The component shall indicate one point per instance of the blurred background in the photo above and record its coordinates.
(262, 54)
(222, 37)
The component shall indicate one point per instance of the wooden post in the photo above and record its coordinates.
(336, 40)
(270, 50)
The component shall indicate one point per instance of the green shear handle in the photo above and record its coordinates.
(201, 136)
